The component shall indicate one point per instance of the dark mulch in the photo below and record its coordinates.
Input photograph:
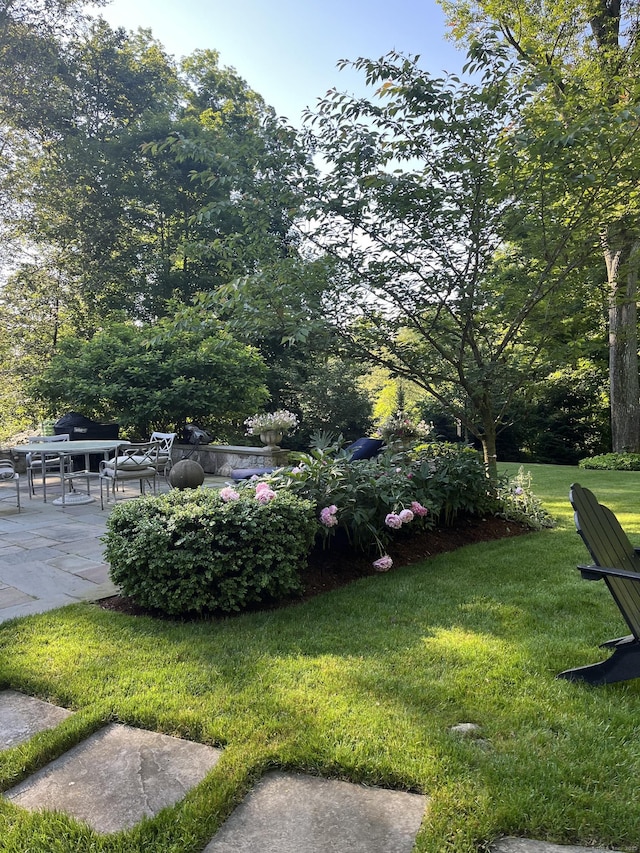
(336, 567)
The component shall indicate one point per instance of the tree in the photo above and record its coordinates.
(148, 382)
(581, 58)
(442, 271)
(138, 183)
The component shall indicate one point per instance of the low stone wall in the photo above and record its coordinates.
(222, 459)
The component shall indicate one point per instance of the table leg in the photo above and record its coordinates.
(44, 476)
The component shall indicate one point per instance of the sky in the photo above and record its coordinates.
(287, 50)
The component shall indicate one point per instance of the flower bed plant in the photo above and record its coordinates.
(201, 550)
(373, 500)
(400, 426)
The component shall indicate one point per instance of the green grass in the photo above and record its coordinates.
(364, 684)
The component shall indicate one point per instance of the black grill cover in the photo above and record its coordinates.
(84, 429)
(81, 428)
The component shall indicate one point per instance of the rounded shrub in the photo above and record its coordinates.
(191, 552)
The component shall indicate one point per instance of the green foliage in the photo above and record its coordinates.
(445, 480)
(612, 462)
(456, 476)
(148, 382)
(579, 130)
(432, 212)
(518, 503)
(330, 397)
(562, 418)
(193, 552)
(126, 181)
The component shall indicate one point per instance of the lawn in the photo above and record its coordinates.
(364, 684)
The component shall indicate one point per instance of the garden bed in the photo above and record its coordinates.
(333, 568)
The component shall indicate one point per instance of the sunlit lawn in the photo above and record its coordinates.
(364, 684)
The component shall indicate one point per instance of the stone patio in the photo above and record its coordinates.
(50, 556)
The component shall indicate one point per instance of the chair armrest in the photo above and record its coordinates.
(596, 573)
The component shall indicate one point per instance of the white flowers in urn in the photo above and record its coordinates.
(271, 426)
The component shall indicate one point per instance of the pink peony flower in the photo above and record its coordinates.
(405, 516)
(229, 494)
(393, 520)
(328, 516)
(265, 495)
(262, 487)
(418, 509)
(383, 564)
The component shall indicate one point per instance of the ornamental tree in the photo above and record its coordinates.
(442, 271)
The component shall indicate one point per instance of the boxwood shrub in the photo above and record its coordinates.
(191, 552)
(612, 462)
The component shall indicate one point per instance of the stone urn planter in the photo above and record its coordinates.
(403, 445)
(271, 437)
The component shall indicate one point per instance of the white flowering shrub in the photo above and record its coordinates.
(282, 421)
(516, 502)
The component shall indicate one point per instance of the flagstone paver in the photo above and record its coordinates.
(526, 845)
(22, 716)
(294, 813)
(116, 777)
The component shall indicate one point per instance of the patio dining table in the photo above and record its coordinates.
(64, 450)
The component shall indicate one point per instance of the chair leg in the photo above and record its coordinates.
(623, 665)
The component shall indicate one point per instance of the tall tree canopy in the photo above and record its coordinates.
(137, 182)
(580, 60)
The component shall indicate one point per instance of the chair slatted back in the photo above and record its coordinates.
(601, 532)
(610, 548)
(166, 441)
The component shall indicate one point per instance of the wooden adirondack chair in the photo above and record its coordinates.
(617, 562)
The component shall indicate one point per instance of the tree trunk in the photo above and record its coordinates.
(489, 450)
(622, 277)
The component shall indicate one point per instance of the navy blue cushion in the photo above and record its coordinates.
(247, 473)
(365, 448)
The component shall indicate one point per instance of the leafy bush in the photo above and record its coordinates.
(454, 477)
(154, 378)
(201, 550)
(516, 502)
(561, 418)
(612, 462)
(372, 499)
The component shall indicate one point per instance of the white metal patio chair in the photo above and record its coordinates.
(166, 440)
(51, 460)
(9, 477)
(132, 462)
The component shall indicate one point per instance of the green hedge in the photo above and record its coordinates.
(612, 462)
(193, 552)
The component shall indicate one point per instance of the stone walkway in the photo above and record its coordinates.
(120, 775)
